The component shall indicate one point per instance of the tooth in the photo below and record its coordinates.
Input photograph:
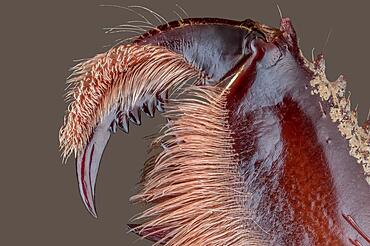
(135, 116)
(159, 106)
(162, 98)
(113, 126)
(123, 122)
(148, 107)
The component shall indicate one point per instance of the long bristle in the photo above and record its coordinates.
(124, 75)
(197, 197)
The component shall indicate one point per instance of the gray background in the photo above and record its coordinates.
(40, 204)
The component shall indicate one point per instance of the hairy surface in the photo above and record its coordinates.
(194, 185)
(124, 77)
(198, 188)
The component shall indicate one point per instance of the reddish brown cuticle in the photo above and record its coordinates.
(261, 150)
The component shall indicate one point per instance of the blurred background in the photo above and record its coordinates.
(40, 203)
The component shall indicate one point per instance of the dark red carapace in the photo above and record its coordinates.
(259, 149)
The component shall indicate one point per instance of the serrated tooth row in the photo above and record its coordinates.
(134, 115)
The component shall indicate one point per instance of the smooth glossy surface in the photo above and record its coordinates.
(295, 163)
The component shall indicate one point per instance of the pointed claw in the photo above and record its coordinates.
(88, 161)
(113, 126)
(123, 122)
(135, 116)
(151, 107)
(162, 99)
(148, 108)
(160, 106)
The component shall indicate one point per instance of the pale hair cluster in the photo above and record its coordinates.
(122, 77)
(194, 186)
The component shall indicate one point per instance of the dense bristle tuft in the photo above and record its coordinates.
(197, 197)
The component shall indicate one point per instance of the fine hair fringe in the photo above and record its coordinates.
(122, 77)
(197, 198)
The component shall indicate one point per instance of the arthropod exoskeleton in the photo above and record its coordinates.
(260, 148)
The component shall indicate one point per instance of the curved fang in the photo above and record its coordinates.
(134, 77)
(107, 90)
(87, 162)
